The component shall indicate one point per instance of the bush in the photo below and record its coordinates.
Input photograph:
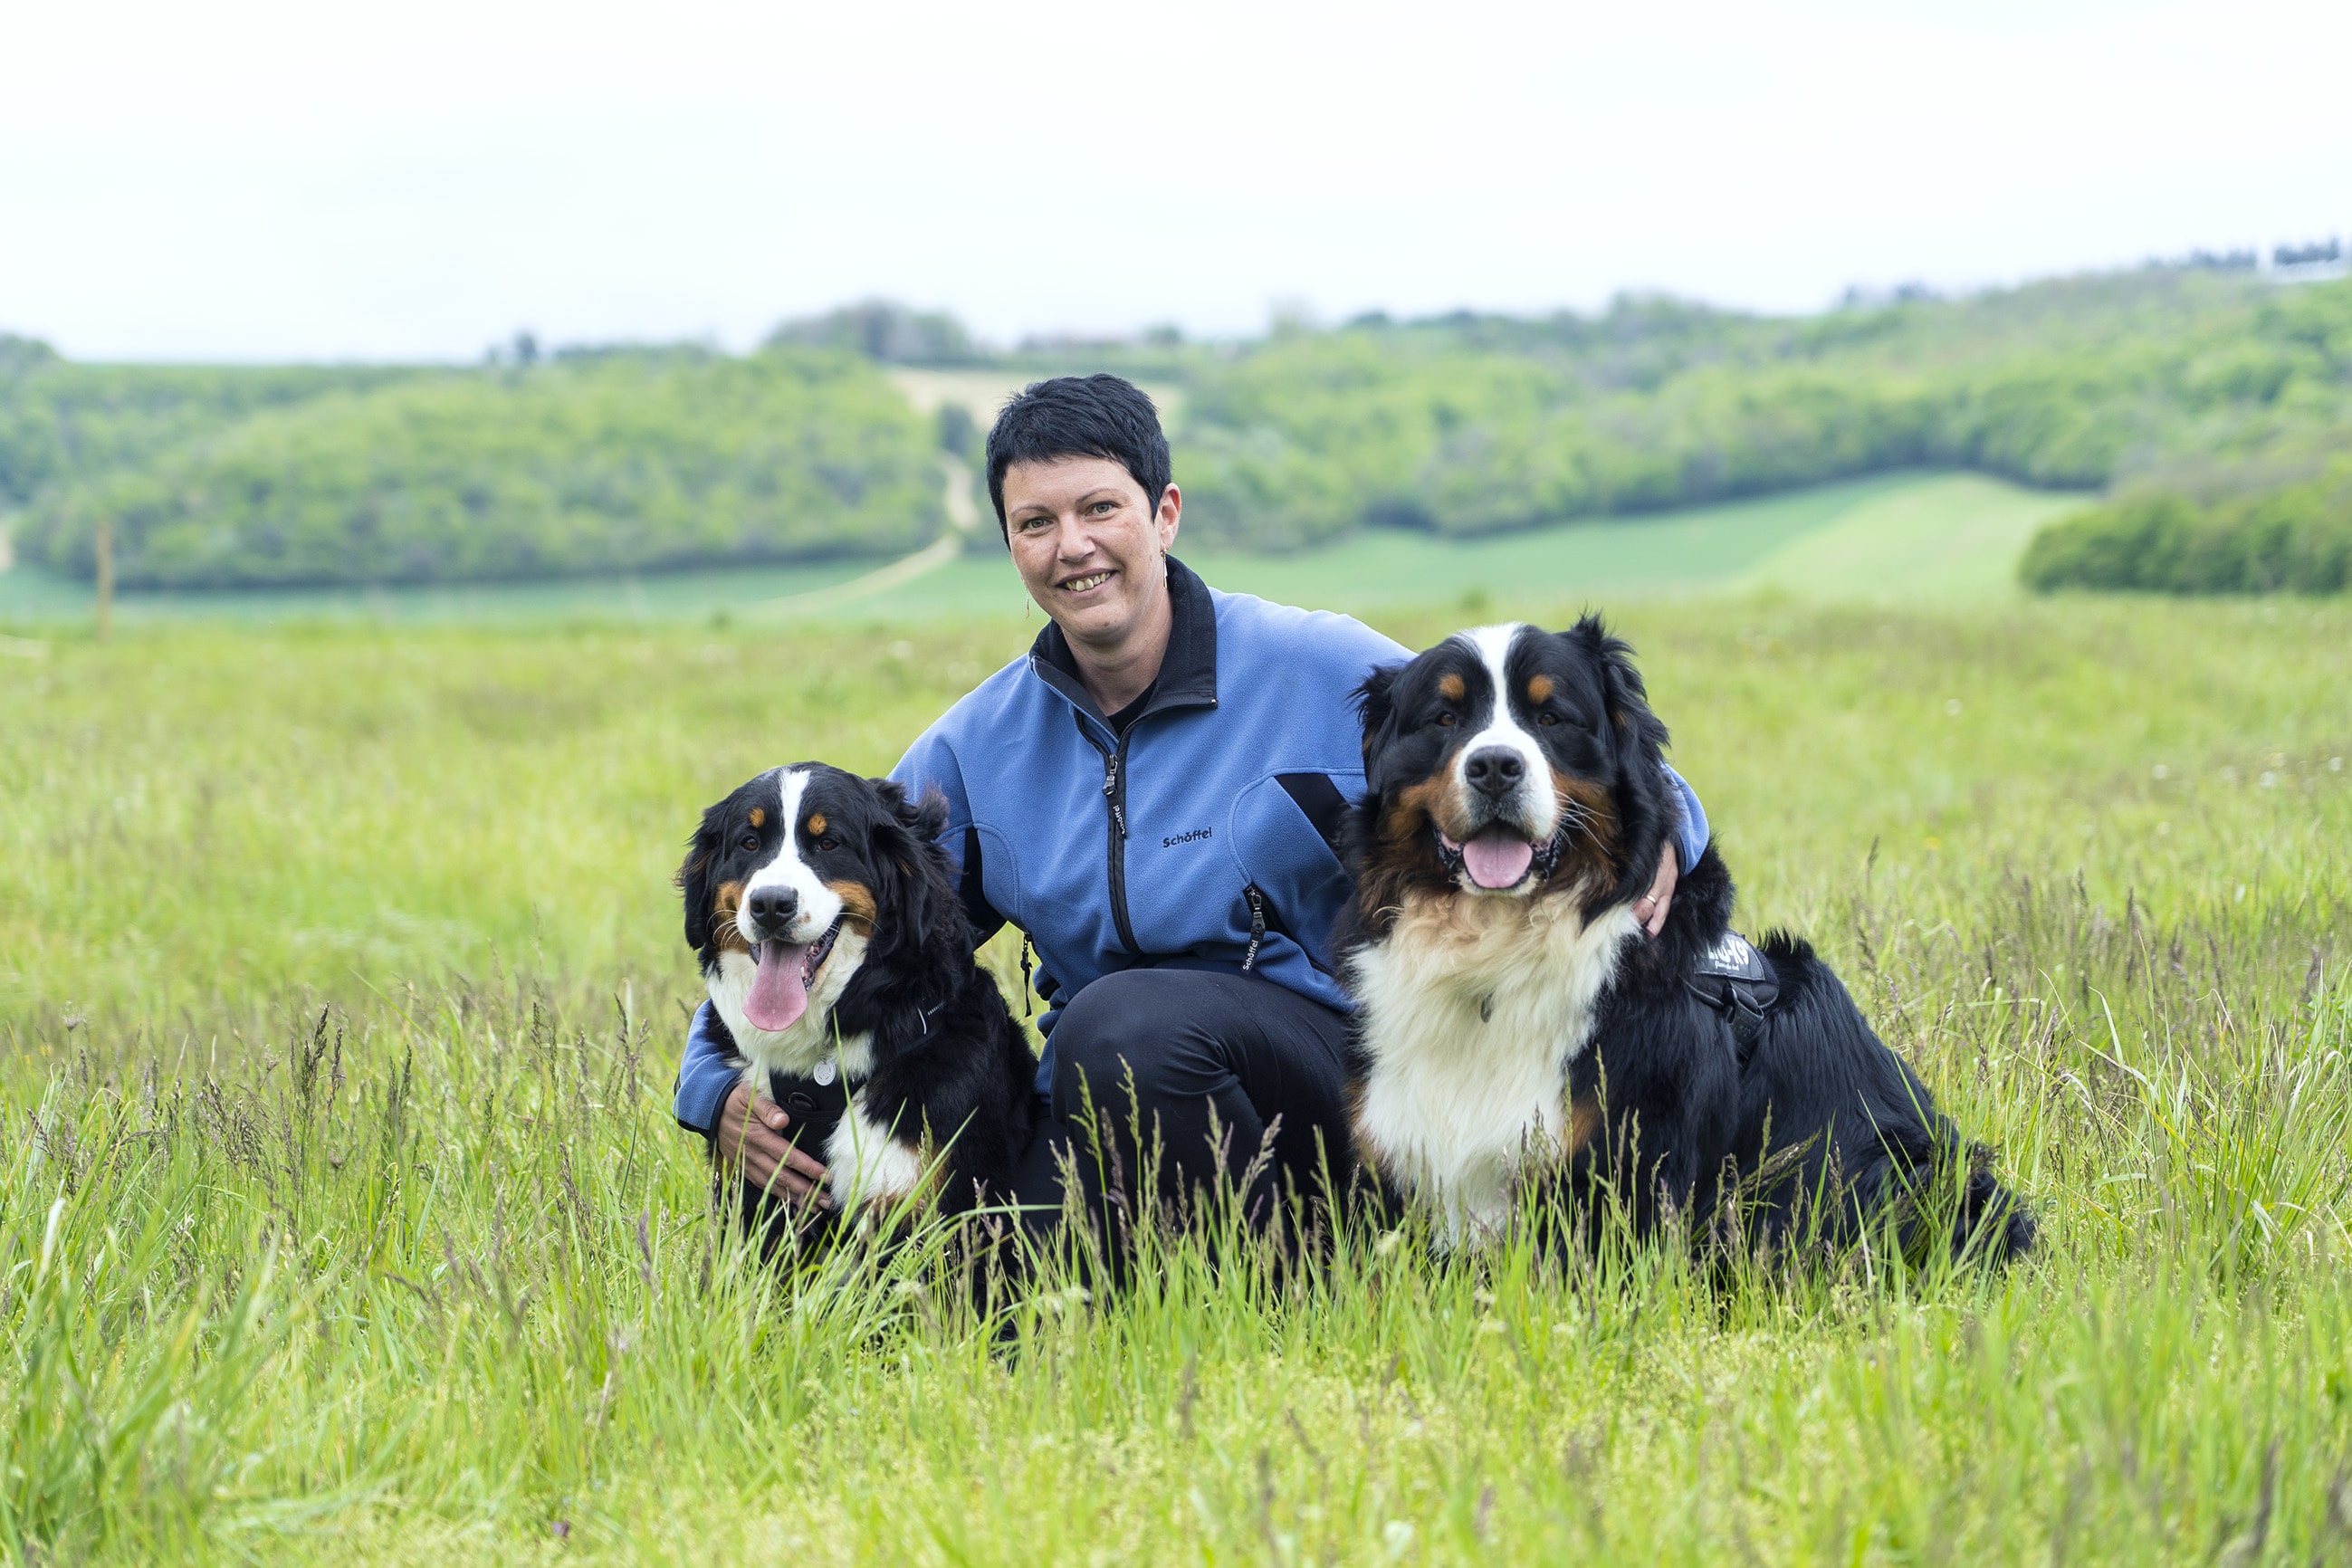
(2296, 539)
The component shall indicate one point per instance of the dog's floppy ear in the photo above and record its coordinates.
(1633, 731)
(1376, 706)
(925, 816)
(909, 866)
(693, 878)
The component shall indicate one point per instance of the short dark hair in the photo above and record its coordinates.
(1079, 417)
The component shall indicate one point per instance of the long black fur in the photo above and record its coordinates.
(949, 1061)
(1823, 1133)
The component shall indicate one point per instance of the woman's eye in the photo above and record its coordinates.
(1445, 720)
(750, 841)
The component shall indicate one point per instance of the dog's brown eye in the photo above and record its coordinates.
(1546, 718)
(1445, 720)
(828, 843)
(750, 841)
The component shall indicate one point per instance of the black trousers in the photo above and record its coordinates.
(1194, 1077)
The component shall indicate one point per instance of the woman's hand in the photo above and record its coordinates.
(1651, 907)
(750, 1134)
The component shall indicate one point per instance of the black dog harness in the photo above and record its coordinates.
(1734, 979)
(817, 1104)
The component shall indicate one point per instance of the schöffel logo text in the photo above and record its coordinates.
(1184, 837)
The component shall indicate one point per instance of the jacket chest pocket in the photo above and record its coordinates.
(1286, 833)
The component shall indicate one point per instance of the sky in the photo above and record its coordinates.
(257, 180)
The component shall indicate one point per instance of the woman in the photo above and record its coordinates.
(1150, 794)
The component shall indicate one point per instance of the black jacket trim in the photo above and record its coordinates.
(1320, 799)
(1188, 673)
(972, 892)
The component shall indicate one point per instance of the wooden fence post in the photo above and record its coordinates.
(105, 547)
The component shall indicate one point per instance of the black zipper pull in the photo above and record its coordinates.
(1110, 774)
(1258, 925)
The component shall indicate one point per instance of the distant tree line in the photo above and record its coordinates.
(1472, 423)
(2206, 397)
(882, 330)
(619, 461)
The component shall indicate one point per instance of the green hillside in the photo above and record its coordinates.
(2217, 398)
(1471, 425)
(624, 461)
(1910, 536)
(61, 422)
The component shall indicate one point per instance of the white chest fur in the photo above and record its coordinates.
(868, 1164)
(1471, 1011)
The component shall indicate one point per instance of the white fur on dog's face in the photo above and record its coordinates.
(810, 1040)
(1534, 808)
(820, 905)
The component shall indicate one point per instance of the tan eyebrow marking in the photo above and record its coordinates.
(1452, 687)
(817, 822)
(758, 817)
(1539, 688)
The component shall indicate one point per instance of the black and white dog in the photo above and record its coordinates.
(1513, 1020)
(840, 962)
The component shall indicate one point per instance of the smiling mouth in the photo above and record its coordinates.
(1499, 858)
(780, 984)
(1081, 584)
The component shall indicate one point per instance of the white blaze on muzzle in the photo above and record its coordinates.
(1509, 821)
(788, 959)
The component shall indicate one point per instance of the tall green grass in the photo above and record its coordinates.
(342, 1216)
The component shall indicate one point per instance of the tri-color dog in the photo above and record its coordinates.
(841, 964)
(1515, 1021)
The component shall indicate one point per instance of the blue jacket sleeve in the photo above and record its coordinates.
(706, 1075)
(1691, 835)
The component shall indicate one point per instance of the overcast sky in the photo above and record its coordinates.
(253, 179)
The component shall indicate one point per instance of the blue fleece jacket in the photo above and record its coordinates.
(1200, 839)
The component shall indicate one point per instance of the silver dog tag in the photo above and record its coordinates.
(823, 1073)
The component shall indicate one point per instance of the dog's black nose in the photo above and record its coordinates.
(772, 905)
(1494, 770)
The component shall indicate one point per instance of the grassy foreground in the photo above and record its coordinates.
(342, 1215)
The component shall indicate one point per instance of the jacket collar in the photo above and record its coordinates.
(1188, 673)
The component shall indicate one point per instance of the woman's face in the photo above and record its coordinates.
(1088, 545)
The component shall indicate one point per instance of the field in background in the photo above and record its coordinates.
(1903, 536)
(344, 1217)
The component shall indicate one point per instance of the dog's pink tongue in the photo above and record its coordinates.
(780, 990)
(1498, 858)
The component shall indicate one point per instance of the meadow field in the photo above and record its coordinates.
(344, 1217)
